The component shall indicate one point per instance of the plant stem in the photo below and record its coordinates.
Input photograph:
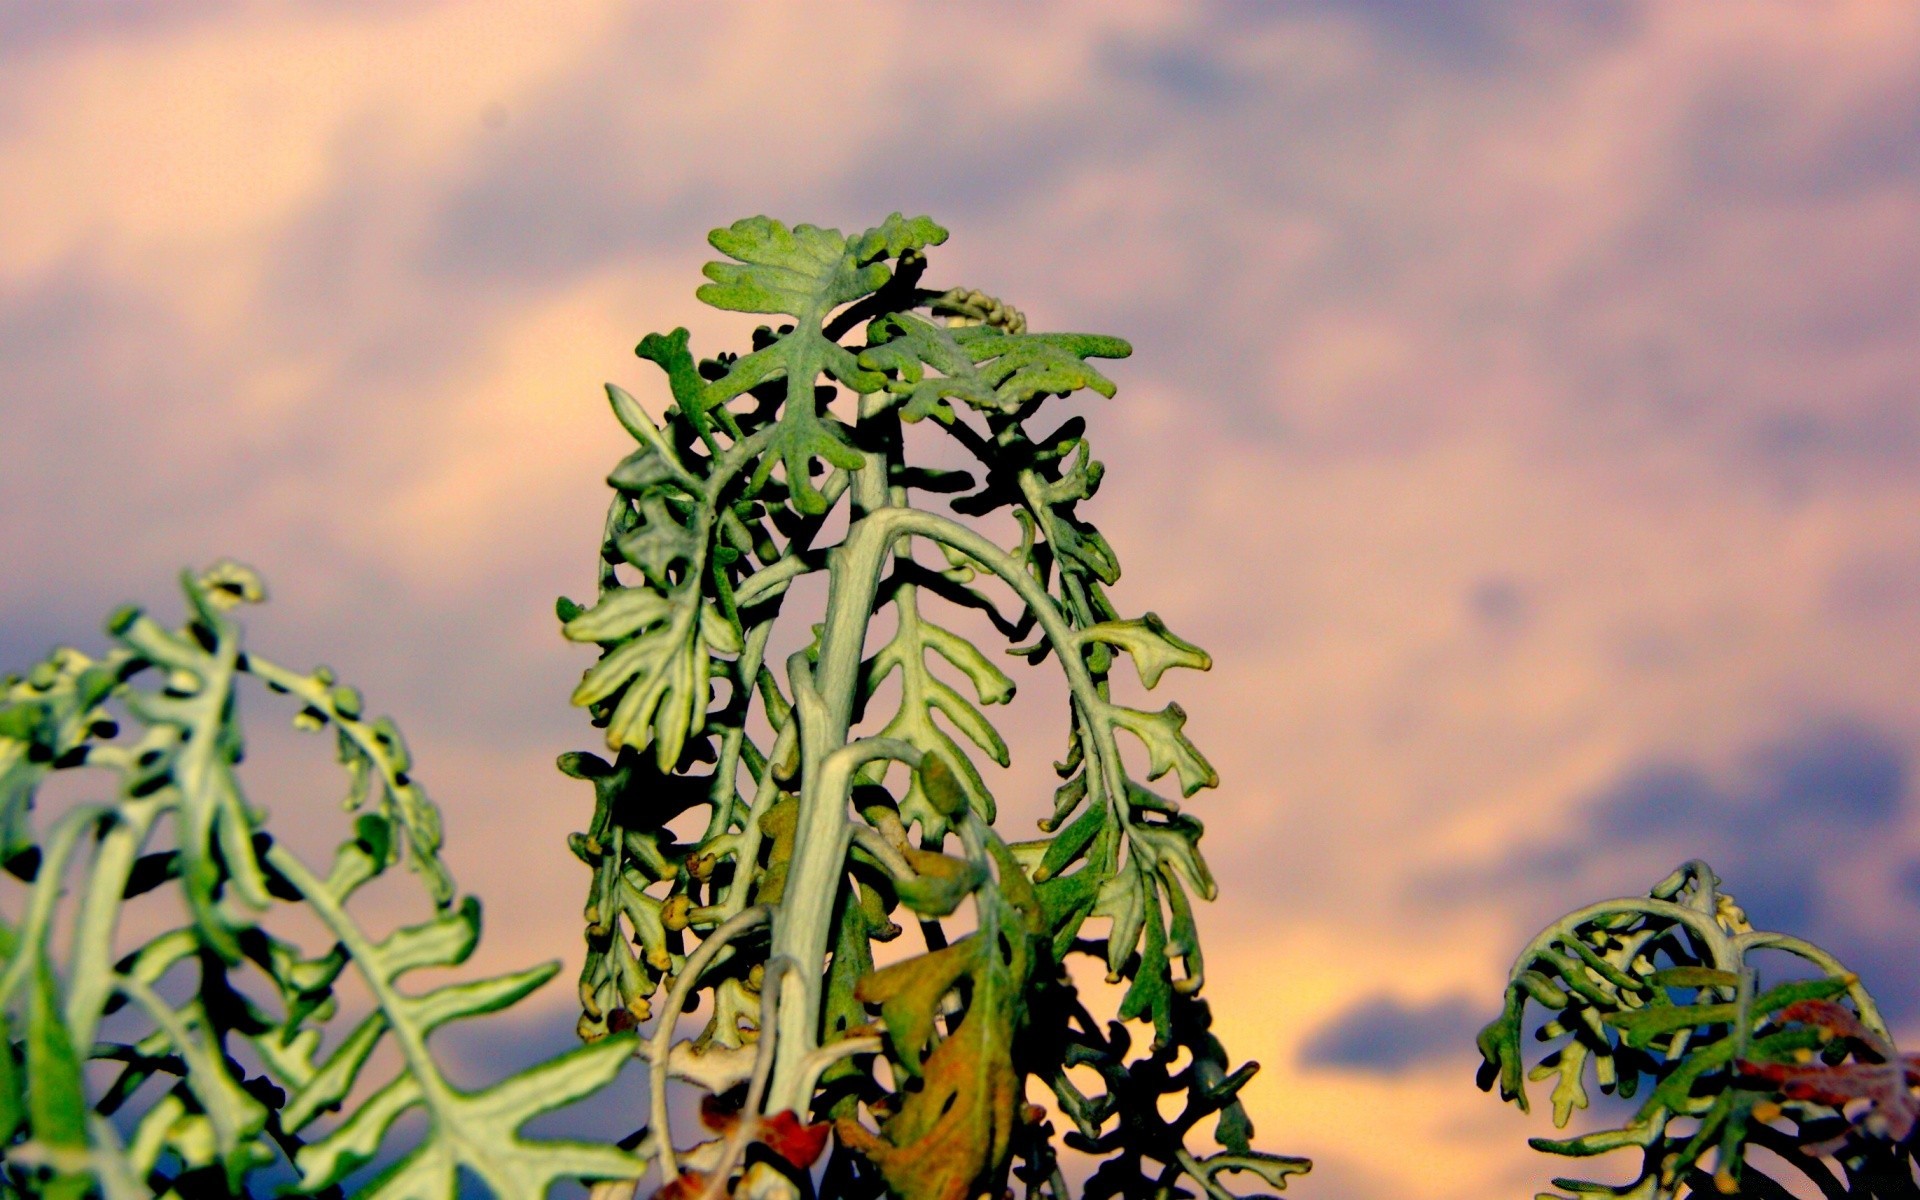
(824, 700)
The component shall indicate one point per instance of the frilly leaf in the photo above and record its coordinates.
(1152, 645)
(658, 661)
(1660, 990)
(982, 366)
(1168, 749)
(175, 774)
(806, 271)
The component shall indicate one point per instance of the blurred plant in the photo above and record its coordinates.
(748, 851)
(224, 1015)
(1662, 992)
(752, 838)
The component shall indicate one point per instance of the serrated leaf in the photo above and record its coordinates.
(1150, 995)
(488, 1143)
(620, 614)
(1276, 1169)
(471, 1131)
(672, 354)
(659, 542)
(643, 472)
(474, 997)
(800, 272)
(1123, 899)
(804, 272)
(908, 345)
(909, 995)
(1022, 366)
(1598, 1142)
(1066, 901)
(327, 1160)
(1175, 844)
(444, 941)
(317, 1089)
(1570, 1090)
(1499, 1045)
(1067, 845)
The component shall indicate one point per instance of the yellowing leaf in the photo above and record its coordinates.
(909, 995)
(957, 1126)
(940, 882)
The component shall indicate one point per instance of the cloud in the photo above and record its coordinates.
(1385, 1035)
(27, 28)
(1812, 832)
(1802, 808)
(1520, 414)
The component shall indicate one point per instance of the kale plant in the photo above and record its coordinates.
(757, 827)
(1766, 1091)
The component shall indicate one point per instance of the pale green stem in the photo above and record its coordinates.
(100, 914)
(434, 1092)
(1762, 940)
(804, 924)
(743, 1134)
(803, 927)
(661, 1040)
(823, 710)
(47, 886)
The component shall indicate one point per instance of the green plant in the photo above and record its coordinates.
(155, 720)
(1664, 992)
(753, 837)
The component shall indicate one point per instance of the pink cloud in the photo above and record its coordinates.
(1614, 315)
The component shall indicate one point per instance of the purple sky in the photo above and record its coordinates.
(1523, 414)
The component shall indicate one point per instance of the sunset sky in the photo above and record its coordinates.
(1523, 414)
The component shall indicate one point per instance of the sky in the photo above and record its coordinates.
(1522, 414)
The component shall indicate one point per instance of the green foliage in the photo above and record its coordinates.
(1663, 994)
(756, 832)
(252, 1065)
